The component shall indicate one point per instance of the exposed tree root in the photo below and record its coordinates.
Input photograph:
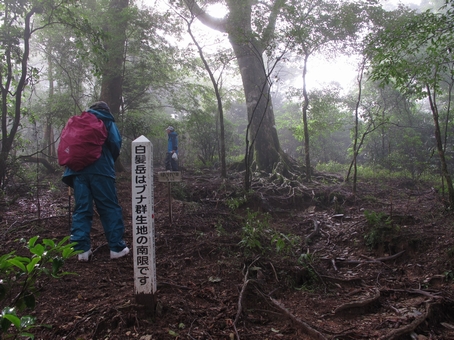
(314, 233)
(383, 259)
(358, 263)
(359, 303)
(301, 324)
(240, 298)
(416, 291)
(394, 334)
(353, 280)
(240, 308)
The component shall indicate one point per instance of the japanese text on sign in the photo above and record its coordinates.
(143, 217)
(169, 176)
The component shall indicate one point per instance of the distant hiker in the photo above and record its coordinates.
(172, 149)
(96, 182)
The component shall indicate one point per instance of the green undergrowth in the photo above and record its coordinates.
(381, 231)
(19, 276)
(378, 173)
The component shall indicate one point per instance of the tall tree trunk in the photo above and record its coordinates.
(441, 153)
(48, 140)
(356, 143)
(7, 76)
(248, 49)
(262, 133)
(112, 72)
(307, 156)
(219, 103)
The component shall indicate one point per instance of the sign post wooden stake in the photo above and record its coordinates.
(169, 177)
(145, 284)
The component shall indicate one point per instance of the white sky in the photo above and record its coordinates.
(393, 3)
(342, 70)
(320, 71)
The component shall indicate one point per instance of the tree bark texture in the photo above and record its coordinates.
(248, 49)
(262, 132)
(8, 136)
(439, 141)
(48, 140)
(112, 72)
(307, 153)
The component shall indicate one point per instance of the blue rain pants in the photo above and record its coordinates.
(171, 164)
(100, 189)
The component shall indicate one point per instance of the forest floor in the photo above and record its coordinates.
(290, 262)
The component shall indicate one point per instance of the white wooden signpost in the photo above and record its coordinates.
(169, 177)
(145, 284)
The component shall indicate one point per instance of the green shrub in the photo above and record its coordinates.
(308, 278)
(332, 167)
(284, 244)
(381, 230)
(235, 202)
(449, 275)
(253, 231)
(376, 172)
(19, 275)
(257, 236)
(180, 191)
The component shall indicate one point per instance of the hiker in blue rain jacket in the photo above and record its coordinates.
(96, 182)
(172, 149)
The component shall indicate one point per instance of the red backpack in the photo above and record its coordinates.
(81, 141)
